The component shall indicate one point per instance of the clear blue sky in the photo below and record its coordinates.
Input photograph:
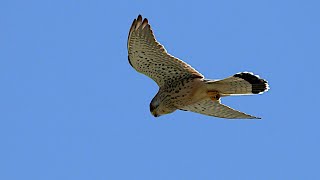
(73, 108)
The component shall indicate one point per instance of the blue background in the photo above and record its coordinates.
(71, 106)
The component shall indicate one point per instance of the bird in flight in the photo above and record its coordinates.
(181, 87)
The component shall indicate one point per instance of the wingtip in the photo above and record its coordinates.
(139, 22)
(145, 21)
(139, 19)
(136, 23)
(253, 117)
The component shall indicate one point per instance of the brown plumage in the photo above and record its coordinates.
(181, 86)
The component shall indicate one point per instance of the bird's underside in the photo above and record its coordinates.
(181, 86)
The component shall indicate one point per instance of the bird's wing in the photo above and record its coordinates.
(215, 108)
(149, 57)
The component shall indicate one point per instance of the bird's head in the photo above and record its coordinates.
(153, 110)
(158, 107)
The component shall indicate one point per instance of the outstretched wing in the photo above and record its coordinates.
(215, 108)
(149, 57)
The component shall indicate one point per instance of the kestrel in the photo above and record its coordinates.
(181, 87)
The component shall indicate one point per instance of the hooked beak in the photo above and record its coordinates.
(155, 114)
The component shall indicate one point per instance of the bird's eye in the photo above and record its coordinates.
(152, 107)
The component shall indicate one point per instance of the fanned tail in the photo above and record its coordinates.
(239, 84)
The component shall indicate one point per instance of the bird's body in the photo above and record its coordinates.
(183, 93)
(180, 86)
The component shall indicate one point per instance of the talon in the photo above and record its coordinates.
(214, 95)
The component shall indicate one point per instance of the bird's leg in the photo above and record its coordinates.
(214, 95)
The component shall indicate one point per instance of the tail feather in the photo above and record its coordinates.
(239, 84)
